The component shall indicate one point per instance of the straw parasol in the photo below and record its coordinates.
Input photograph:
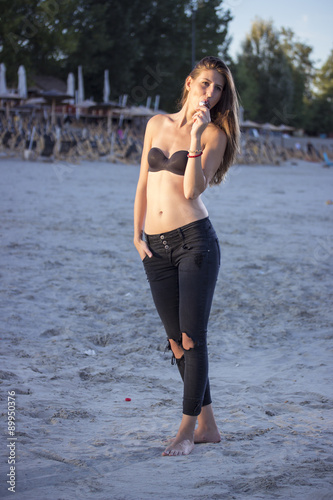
(88, 103)
(136, 111)
(285, 128)
(9, 98)
(53, 98)
(250, 124)
(32, 104)
(270, 127)
(107, 107)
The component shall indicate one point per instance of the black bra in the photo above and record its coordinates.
(175, 164)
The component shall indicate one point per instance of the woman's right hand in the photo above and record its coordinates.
(201, 119)
(142, 248)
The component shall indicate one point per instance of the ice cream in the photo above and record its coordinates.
(204, 103)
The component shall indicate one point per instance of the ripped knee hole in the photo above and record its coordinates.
(187, 342)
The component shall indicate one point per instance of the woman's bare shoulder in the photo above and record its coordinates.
(216, 131)
(214, 135)
(155, 126)
(157, 121)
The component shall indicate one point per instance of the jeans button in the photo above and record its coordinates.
(165, 242)
(162, 236)
(166, 247)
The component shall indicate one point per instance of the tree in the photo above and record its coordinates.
(324, 78)
(264, 76)
(145, 44)
(319, 106)
(212, 29)
(36, 33)
(302, 68)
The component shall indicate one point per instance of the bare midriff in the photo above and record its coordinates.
(167, 207)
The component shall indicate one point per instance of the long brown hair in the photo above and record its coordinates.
(224, 114)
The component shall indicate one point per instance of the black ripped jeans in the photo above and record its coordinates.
(182, 274)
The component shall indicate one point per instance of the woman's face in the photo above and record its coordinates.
(208, 85)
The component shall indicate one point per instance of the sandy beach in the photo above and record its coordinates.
(80, 334)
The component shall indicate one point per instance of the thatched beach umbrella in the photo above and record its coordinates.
(250, 124)
(8, 99)
(135, 111)
(88, 103)
(83, 106)
(53, 97)
(270, 127)
(286, 128)
(32, 104)
(106, 107)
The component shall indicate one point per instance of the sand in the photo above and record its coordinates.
(79, 334)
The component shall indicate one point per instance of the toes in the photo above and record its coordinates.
(171, 453)
(182, 448)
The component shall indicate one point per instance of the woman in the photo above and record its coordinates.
(183, 153)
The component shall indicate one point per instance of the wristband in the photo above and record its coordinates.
(194, 156)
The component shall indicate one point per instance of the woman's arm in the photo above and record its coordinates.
(200, 170)
(140, 202)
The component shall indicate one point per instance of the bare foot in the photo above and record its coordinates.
(207, 435)
(168, 441)
(177, 448)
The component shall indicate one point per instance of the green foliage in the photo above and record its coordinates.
(319, 109)
(212, 29)
(319, 116)
(302, 72)
(264, 76)
(145, 45)
(36, 33)
(278, 83)
(324, 78)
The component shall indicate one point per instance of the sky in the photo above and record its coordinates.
(311, 21)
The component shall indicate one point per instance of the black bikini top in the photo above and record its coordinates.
(175, 164)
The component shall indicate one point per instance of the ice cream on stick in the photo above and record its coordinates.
(204, 103)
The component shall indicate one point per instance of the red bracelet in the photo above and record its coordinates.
(194, 156)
